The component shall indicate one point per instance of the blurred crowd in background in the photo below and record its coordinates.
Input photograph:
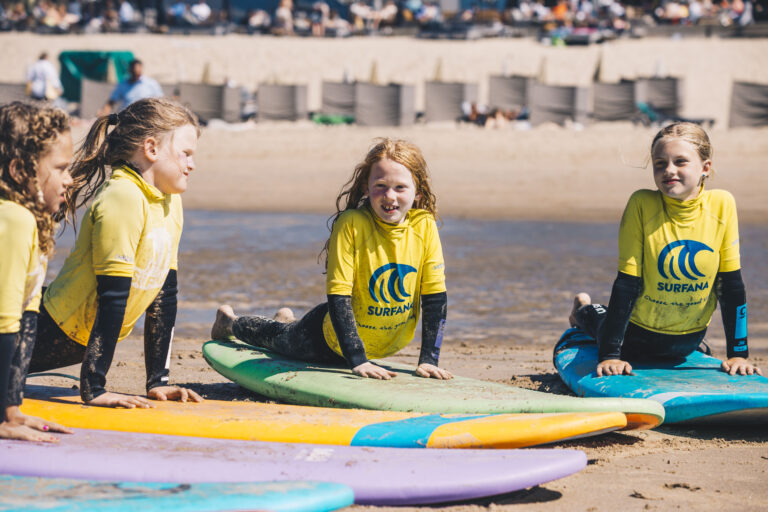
(339, 18)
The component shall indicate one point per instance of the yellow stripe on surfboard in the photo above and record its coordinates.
(290, 423)
(530, 429)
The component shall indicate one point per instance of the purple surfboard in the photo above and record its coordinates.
(378, 476)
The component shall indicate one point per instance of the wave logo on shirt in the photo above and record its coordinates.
(684, 259)
(387, 283)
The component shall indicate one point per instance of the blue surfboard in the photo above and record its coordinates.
(18, 493)
(692, 390)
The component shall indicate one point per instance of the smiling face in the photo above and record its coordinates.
(678, 169)
(53, 178)
(391, 190)
(173, 160)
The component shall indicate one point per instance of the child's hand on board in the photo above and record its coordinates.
(14, 415)
(739, 365)
(613, 367)
(372, 371)
(20, 432)
(164, 393)
(109, 399)
(429, 370)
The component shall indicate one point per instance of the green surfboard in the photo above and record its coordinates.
(297, 382)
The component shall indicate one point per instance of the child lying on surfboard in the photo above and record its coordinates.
(678, 257)
(383, 258)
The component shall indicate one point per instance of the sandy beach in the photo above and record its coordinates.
(530, 218)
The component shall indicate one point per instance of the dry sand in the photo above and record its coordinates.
(548, 173)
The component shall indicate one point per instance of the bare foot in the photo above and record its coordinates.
(581, 299)
(222, 326)
(284, 315)
(24, 433)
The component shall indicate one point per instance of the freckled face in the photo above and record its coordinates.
(678, 169)
(391, 190)
(53, 176)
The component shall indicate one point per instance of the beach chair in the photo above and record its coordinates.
(232, 104)
(509, 92)
(277, 102)
(12, 92)
(170, 90)
(384, 105)
(93, 96)
(338, 103)
(664, 94)
(648, 115)
(659, 102)
(558, 104)
(443, 100)
(211, 101)
(614, 102)
(749, 105)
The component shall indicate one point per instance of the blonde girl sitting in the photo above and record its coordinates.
(678, 257)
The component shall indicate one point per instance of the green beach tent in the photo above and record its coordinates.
(94, 65)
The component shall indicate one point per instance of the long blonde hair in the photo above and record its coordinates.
(353, 193)
(27, 133)
(102, 149)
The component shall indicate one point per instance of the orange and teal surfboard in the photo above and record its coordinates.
(351, 427)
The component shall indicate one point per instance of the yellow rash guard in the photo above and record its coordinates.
(677, 248)
(22, 267)
(385, 269)
(130, 230)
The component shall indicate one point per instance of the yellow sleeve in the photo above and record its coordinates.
(118, 222)
(19, 234)
(433, 267)
(730, 258)
(631, 238)
(341, 258)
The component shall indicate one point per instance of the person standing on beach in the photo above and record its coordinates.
(43, 80)
(35, 153)
(125, 258)
(384, 257)
(136, 87)
(678, 257)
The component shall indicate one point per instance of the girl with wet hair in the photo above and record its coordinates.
(131, 170)
(35, 153)
(678, 257)
(384, 260)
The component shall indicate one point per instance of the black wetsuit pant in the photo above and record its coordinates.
(302, 339)
(51, 349)
(639, 343)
